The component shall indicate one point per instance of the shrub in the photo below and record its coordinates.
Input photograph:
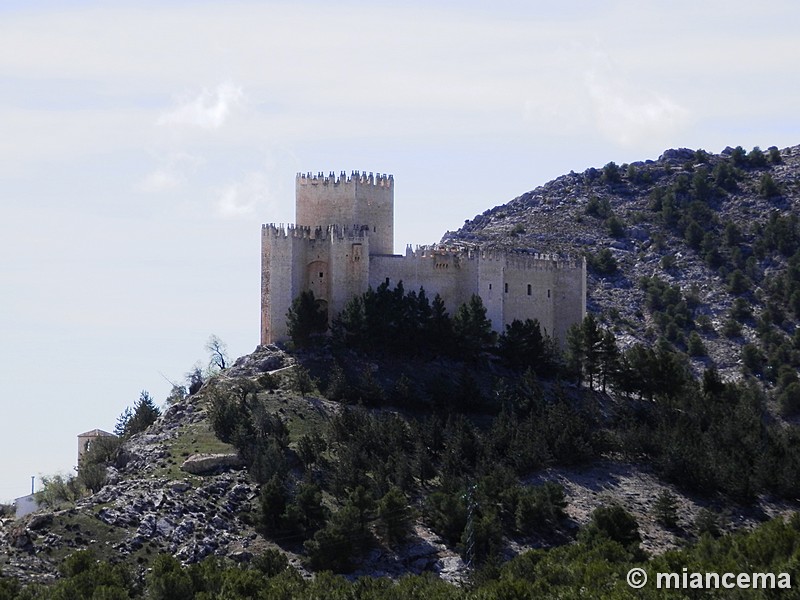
(58, 489)
(616, 228)
(740, 310)
(738, 283)
(603, 263)
(613, 523)
(695, 345)
(706, 523)
(731, 328)
(540, 507)
(789, 400)
(756, 158)
(598, 208)
(767, 186)
(611, 173)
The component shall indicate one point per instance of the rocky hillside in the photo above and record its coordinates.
(691, 219)
(699, 250)
(177, 489)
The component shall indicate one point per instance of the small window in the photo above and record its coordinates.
(548, 293)
(490, 286)
(529, 289)
(506, 288)
(320, 275)
(387, 281)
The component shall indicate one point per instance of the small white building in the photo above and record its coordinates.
(25, 505)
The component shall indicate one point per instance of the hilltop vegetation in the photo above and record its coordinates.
(410, 440)
(595, 565)
(695, 248)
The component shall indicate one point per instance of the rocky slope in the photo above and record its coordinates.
(176, 488)
(572, 215)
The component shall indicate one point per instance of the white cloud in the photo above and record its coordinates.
(628, 114)
(244, 197)
(209, 110)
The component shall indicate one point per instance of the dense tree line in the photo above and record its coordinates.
(707, 436)
(595, 566)
(391, 321)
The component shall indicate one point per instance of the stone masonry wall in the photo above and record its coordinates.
(361, 199)
(343, 244)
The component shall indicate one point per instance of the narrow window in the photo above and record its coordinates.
(529, 289)
(387, 281)
(506, 288)
(548, 293)
(490, 286)
(320, 276)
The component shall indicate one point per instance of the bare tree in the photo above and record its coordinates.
(218, 353)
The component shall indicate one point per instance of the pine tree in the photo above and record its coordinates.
(145, 412)
(665, 509)
(592, 339)
(609, 358)
(472, 330)
(305, 319)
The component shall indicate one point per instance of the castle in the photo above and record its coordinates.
(343, 243)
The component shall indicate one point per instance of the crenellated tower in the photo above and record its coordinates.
(343, 243)
(360, 199)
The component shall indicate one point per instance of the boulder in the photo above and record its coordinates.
(202, 464)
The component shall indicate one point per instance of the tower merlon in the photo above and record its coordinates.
(359, 177)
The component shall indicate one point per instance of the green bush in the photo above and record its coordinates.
(695, 345)
(603, 263)
(615, 226)
(789, 400)
(613, 523)
(767, 187)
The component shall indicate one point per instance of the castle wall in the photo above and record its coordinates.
(283, 273)
(544, 288)
(451, 275)
(343, 244)
(569, 305)
(360, 199)
(491, 272)
(350, 266)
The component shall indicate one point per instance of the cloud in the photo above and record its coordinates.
(628, 114)
(244, 197)
(209, 110)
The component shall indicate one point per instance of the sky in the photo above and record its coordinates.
(143, 144)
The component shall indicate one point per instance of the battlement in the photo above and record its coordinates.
(343, 242)
(329, 232)
(544, 262)
(518, 260)
(355, 177)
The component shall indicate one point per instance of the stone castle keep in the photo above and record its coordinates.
(343, 243)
